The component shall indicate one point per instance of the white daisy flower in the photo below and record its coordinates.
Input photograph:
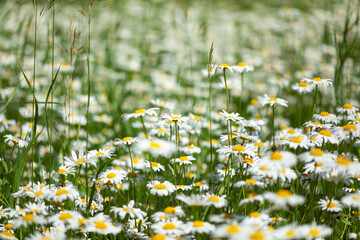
(173, 228)
(65, 170)
(13, 141)
(156, 147)
(231, 116)
(61, 194)
(352, 200)
(318, 81)
(302, 87)
(249, 183)
(314, 231)
(347, 109)
(102, 224)
(330, 205)
(126, 141)
(102, 153)
(140, 113)
(194, 200)
(284, 197)
(199, 226)
(248, 150)
(191, 149)
(79, 160)
(216, 201)
(160, 189)
(112, 176)
(67, 219)
(157, 167)
(326, 117)
(128, 210)
(243, 67)
(183, 160)
(273, 101)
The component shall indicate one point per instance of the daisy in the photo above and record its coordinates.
(314, 231)
(326, 136)
(140, 113)
(112, 176)
(326, 117)
(318, 81)
(280, 158)
(243, 67)
(223, 67)
(273, 101)
(102, 153)
(128, 210)
(352, 200)
(28, 219)
(248, 150)
(174, 118)
(184, 187)
(252, 197)
(36, 208)
(290, 231)
(231, 116)
(231, 230)
(7, 235)
(194, 200)
(79, 160)
(199, 226)
(249, 183)
(135, 234)
(157, 167)
(65, 170)
(191, 149)
(302, 87)
(317, 125)
(316, 155)
(284, 197)
(161, 237)
(298, 142)
(126, 141)
(61, 194)
(156, 147)
(347, 109)
(200, 186)
(13, 141)
(169, 212)
(172, 228)
(258, 233)
(70, 219)
(102, 224)
(224, 138)
(183, 160)
(330, 205)
(160, 189)
(216, 201)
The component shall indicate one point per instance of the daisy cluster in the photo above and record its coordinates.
(124, 126)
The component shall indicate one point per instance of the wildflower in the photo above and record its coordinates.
(102, 153)
(347, 109)
(191, 149)
(69, 219)
(79, 159)
(61, 194)
(231, 116)
(243, 67)
(157, 167)
(201, 186)
(302, 87)
(194, 200)
(200, 227)
(223, 67)
(230, 230)
(126, 141)
(140, 113)
(352, 200)
(247, 150)
(316, 155)
(314, 231)
(156, 147)
(112, 176)
(216, 201)
(102, 224)
(330, 205)
(135, 234)
(13, 141)
(128, 210)
(284, 197)
(65, 170)
(273, 101)
(298, 142)
(184, 187)
(326, 117)
(318, 81)
(27, 219)
(173, 228)
(160, 189)
(280, 158)
(183, 160)
(174, 118)
(248, 183)
(169, 212)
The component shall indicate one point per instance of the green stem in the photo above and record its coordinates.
(227, 91)
(143, 124)
(133, 173)
(316, 91)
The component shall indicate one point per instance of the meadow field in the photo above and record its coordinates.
(179, 119)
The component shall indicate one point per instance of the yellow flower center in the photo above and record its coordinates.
(276, 156)
(284, 193)
(331, 205)
(349, 127)
(343, 161)
(257, 235)
(139, 111)
(154, 164)
(111, 175)
(314, 232)
(127, 209)
(61, 171)
(325, 132)
(175, 118)
(38, 193)
(161, 130)
(65, 216)
(159, 237)
(238, 148)
(250, 181)
(254, 214)
(295, 140)
(291, 131)
(347, 106)
(135, 160)
(254, 101)
(317, 79)
(154, 144)
(224, 65)
(199, 184)
(169, 226)
(126, 139)
(249, 160)
(100, 225)
(273, 99)
(184, 158)
(29, 217)
(242, 64)
(232, 229)
(214, 199)
(99, 153)
(7, 233)
(190, 175)
(317, 152)
(324, 114)
(61, 191)
(303, 84)
(181, 186)
(160, 186)
(290, 233)
(9, 226)
(170, 210)
(198, 223)
(319, 164)
(80, 160)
